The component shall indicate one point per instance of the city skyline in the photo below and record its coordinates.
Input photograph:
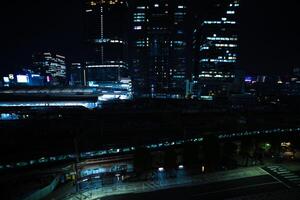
(149, 99)
(63, 33)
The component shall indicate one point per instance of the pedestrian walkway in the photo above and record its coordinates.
(285, 174)
(148, 186)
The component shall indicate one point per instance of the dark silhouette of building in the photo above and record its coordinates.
(76, 75)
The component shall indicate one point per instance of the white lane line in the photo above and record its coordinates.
(237, 188)
(273, 167)
(294, 179)
(277, 179)
(291, 176)
(284, 172)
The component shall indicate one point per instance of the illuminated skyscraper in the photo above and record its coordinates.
(215, 46)
(106, 29)
(159, 47)
(51, 66)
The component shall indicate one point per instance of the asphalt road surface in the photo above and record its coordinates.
(220, 190)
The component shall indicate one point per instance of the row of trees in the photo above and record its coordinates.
(211, 153)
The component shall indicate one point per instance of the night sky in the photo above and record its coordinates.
(269, 33)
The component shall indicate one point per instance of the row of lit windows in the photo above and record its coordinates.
(234, 5)
(204, 48)
(226, 45)
(215, 76)
(219, 22)
(103, 40)
(139, 14)
(215, 72)
(218, 60)
(222, 38)
(137, 27)
(106, 66)
(230, 12)
(141, 7)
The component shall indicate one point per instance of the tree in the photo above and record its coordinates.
(211, 148)
(228, 155)
(246, 150)
(142, 161)
(190, 154)
(170, 161)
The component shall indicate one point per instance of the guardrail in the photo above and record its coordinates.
(41, 193)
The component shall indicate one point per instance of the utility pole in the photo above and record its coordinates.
(76, 163)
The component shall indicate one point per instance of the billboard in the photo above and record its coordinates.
(22, 79)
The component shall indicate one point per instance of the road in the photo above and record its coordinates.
(218, 185)
(220, 190)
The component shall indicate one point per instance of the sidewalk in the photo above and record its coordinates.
(148, 186)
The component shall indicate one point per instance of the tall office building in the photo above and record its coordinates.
(51, 66)
(106, 35)
(76, 75)
(215, 46)
(159, 47)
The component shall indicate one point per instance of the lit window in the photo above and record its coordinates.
(230, 12)
(137, 27)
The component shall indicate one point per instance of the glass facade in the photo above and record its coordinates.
(159, 47)
(51, 66)
(215, 46)
(106, 36)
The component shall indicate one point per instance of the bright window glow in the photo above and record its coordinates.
(180, 167)
(138, 28)
(230, 12)
(6, 79)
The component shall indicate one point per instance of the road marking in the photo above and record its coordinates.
(152, 185)
(277, 179)
(284, 173)
(291, 176)
(295, 179)
(273, 167)
(237, 188)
